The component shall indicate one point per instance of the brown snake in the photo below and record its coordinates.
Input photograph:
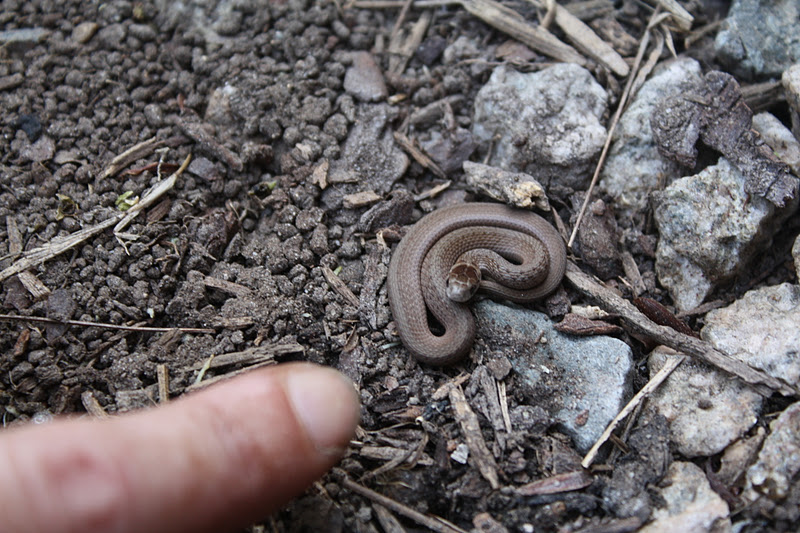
(526, 262)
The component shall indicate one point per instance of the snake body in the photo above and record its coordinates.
(522, 254)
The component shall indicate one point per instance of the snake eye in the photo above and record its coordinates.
(462, 282)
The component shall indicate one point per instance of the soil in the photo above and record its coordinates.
(250, 242)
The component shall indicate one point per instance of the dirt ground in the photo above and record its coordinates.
(252, 245)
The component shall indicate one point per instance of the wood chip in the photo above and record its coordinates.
(339, 286)
(511, 23)
(471, 430)
(33, 285)
(92, 406)
(360, 199)
(130, 155)
(557, 484)
(587, 41)
(228, 287)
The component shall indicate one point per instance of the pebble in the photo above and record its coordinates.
(42, 150)
(707, 409)
(688, 503)
(634, 167)
(761, 330)
(760, 39)
(709, 228)
(364, 79)
(548, 124)
(84, 31)
(779, 460)
(582, 382)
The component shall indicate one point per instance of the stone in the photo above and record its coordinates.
(706, 409)
(548, 124)
(709, 229)
(761, 330)
(760, 38)
(634, 167)
(688, 503)
(778, 463)
(364, 79)
(582, 382)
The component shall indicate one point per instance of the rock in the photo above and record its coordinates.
(513, 188)
(22, 38)
(706, 408)
(112, 36)
(688, 503)
(547, 124)
(760, 38)
(634, 167)
(84, 31)
(761, 330)
(709, 229)
(780, 139)
(778, 462)
(582, 382)
(791, 88)
(364, 79)
(42, 150)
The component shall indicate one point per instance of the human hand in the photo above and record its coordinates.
(212, 461)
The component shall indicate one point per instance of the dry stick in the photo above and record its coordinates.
(59, 245)
(622, 102)
(671, 364)
(584, 38)
(638, 323)
(86, 323)
(434, 523)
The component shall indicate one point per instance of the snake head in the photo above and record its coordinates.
(463, 281)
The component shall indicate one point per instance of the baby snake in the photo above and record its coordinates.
(523, 254)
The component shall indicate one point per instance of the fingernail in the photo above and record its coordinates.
(326, 404)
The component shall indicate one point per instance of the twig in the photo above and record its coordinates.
(434, 523)
(638, 323)
(129, 156)
(163, 383)
(671, 364)
(612, 127)
(86, 323)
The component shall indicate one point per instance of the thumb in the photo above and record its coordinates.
(219, 459)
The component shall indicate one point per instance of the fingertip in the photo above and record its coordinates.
(326, 406)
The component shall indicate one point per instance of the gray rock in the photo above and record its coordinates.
(761, 329)
(706, 409)
(84, 31)
(513, 188)
(23, 36)
(791, 88)
(688, 503)
(780, 139)
(582, 382)
(364, 79)
(42, 150)
(548, 124)
(709, 229)
(634, 167)
(760, 38)
(779, 460)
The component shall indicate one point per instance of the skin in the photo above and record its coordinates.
(216, 460)
(410, 296)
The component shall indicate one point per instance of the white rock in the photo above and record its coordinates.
(634, 167)
(709, 229)
(548, 124)
(780, 139)
(690, 503)
(779, 461)
(706, 409)
(761, 329)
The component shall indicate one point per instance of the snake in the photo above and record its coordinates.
(446, 256)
